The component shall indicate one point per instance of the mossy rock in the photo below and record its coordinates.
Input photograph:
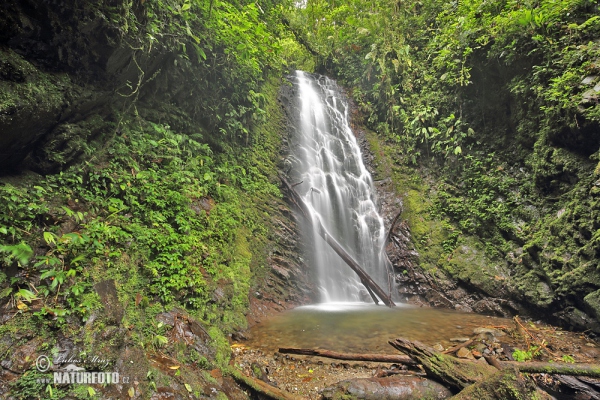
(592, 301)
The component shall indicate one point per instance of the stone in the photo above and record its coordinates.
(589, 79)
(495, 332)
(438, 347)
(395, 387)
(464, 353)
(113, 309)
(592, 302)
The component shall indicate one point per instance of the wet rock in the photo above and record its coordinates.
(494, 332)
(575, 319)
(22, 357)
(113, 309)
(396, 387)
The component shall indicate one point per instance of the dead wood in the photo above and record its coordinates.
(592, 370)
(454, 372)
(387, 358)
(261, 387)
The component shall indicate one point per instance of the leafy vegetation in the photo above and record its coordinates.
(164, 195)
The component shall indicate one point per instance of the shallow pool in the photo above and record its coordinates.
(364, 328)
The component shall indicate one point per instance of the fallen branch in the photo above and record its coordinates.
(399, 359)
(330, 240)
(527, 334)
(261, 387)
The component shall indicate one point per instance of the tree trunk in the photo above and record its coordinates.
(454, 372)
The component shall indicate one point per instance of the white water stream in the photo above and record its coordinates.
(338, 189)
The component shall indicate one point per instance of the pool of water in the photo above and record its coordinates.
(364, 328)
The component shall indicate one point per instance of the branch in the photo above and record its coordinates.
(261, 387)
(399, 359)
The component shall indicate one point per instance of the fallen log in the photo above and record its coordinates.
(454, 372)
(330, 240)
(261, 387)
(387, 358)
(592, 370)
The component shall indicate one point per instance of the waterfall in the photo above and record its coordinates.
(338, 189)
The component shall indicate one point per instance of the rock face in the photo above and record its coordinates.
(478, 284)
(415, 285)
(291, 280)
(397, 387)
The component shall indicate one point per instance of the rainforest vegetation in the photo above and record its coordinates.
(140, 144)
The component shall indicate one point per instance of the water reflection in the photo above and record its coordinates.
(364, 328)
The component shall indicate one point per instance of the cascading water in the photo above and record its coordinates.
(337, 188)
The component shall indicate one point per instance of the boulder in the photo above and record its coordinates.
(395, 387)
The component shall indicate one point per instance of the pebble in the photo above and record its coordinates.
(438, 347)
(464, 353)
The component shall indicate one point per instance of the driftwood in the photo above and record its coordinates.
(364, 277)
(399, 359)
(454, 372)
(261, 387)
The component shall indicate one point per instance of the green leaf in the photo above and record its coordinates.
(199, 51)
(6, 292)
(186, 7)
(26, 295)
(188, 387)
(47, 274)
(50, 237)
(22, 252)
(457, 150)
